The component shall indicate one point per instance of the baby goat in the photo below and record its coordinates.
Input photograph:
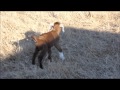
(45, 41)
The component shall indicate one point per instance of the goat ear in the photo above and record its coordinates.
(61, 25)
(51, 25)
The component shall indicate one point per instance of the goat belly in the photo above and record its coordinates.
(50, 44)
(40, 43)
(42, 46)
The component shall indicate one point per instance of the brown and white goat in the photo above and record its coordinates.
(45, 41)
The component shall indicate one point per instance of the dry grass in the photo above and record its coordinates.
(91, 44)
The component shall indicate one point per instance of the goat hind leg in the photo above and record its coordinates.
(40, 61)
(34, 55)
(40, 58)
(49, 54)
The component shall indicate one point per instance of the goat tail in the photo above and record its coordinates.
(34, 38)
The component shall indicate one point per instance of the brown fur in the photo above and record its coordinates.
(44, 43)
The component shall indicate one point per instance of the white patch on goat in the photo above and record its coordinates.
(51, 25)
(61, 55)
(61, 25)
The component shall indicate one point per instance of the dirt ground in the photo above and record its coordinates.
(91, 45)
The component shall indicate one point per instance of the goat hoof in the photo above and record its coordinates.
(41, 67)
(50, 60)
(49, 57)
(33, 63)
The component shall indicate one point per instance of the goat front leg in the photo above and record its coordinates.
(34, 55)
(61, 55)
(49, 54)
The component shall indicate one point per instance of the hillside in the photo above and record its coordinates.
(91, 44)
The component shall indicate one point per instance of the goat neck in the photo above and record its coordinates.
(57, 29)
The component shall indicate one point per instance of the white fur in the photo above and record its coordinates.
(51, 25)
(61, 25)
(61, 55)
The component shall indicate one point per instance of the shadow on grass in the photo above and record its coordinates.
(88, 53)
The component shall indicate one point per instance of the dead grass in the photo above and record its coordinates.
(91, 44)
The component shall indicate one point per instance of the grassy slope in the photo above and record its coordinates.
(91, 44)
